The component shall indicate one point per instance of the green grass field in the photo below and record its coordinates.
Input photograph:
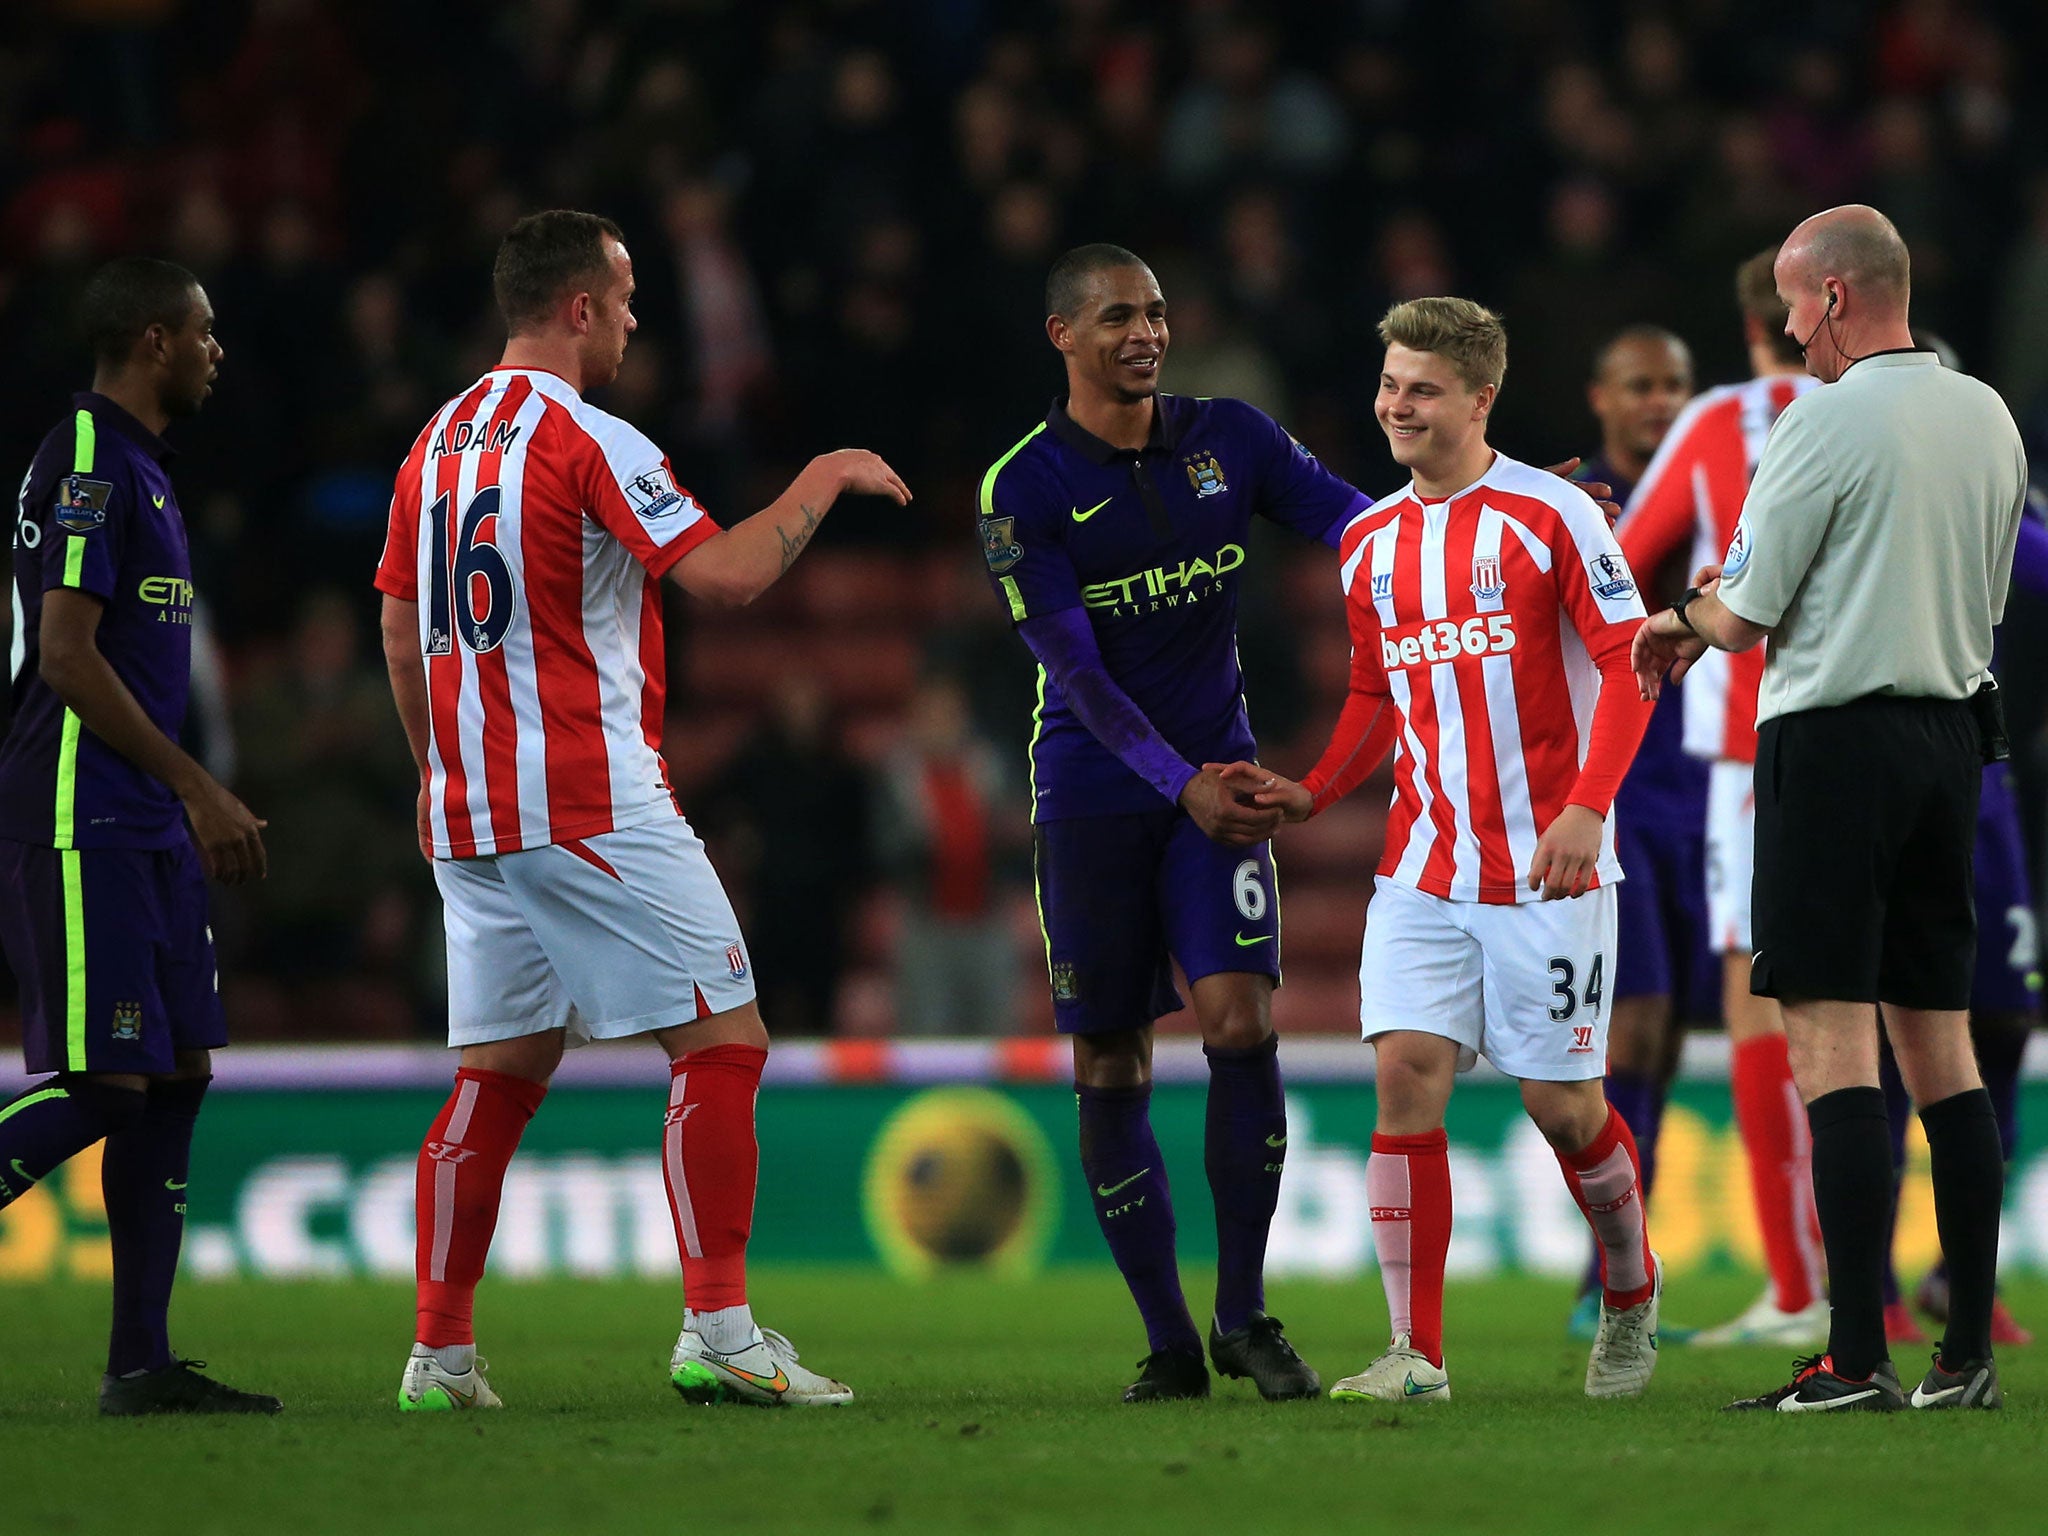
(983, 1406)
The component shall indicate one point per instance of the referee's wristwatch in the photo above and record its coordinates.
(1684, 600)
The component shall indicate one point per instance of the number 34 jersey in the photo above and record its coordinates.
(533, 530)
(1485, 616)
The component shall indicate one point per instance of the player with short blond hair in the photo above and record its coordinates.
(1491, 613)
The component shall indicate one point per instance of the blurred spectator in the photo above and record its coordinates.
(324, 760)
(2022, 314)
(789, 818)
(948, 820)
(1244, 119)
(1210, 356)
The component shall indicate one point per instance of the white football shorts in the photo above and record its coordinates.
(603, 936)
(1731, 855)
(1525, 986)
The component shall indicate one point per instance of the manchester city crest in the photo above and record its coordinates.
(1063, 988)
(999, 544)
(127, 1021)
(1205, 474)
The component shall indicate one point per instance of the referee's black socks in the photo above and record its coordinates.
(1969, 1190)
(1852, 1192)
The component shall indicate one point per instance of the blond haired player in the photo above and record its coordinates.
(522, 576)
(1491, 614)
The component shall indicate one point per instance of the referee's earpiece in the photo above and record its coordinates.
(1831, 300)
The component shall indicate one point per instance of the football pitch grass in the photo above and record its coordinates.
(983, 1406)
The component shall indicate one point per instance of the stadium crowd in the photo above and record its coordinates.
(842, 213)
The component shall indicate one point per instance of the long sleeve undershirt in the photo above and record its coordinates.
(1064, 643)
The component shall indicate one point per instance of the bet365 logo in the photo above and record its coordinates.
(1435, 641)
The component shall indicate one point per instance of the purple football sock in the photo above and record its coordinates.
(1898, 1110)
(54, 1120)
(2001, 1040)
(1127, 1185)
(1244, 1147)
(143, 1179)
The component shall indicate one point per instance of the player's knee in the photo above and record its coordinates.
(1569, 1116)
(1114, 1060)
(1239, 1029)
(118, 1096)
(1407, 1088)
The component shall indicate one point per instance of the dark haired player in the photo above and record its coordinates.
(1664, 970)
(1113, 533)
(102, 890)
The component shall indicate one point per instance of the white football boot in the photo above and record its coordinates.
(430, 1387)
(1625, 1349)
(1403, 1374)
(1765, 1323)
(765, 1373)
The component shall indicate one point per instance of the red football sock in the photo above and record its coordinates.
(1408, 1184)
(461, 1175)
(1606, 1178)
(711, 1160)
(1780, 1148)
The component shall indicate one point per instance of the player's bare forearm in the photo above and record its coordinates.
(79, 674)
(227, 836)
(733, 567)
(402, 661)
(1721, 626)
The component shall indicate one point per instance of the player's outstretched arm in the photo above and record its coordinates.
(734, 567)
(228, 837)
(401, 627)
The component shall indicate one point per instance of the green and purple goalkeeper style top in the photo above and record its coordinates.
(97, 514)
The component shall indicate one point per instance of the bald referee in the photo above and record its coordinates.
(1873, 551)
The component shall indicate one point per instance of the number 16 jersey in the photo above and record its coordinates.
(533, 529)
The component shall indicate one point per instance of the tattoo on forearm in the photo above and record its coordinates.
(793, 543)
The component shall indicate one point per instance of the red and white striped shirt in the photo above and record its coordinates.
(1695, 485)
(533, 529)
(1490, 618)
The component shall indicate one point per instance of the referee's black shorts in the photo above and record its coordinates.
(1866, 825)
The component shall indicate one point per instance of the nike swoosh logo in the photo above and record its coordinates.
(159, 501)
(1245, 943)
(1110, 1189)
(779, 1382)
(1082, 517)
(19, 1171)
(1277, 1141)
(1410, 1389)
(174, 1184)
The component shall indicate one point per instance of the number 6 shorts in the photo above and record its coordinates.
(1525, 986)
(1122, 897)
(603, 936)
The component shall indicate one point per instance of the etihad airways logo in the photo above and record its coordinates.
(1439, 640)
(1164, 586)
(171, 596)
